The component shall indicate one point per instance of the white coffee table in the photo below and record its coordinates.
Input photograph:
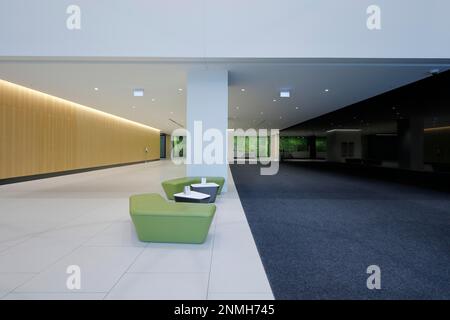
(193, 197)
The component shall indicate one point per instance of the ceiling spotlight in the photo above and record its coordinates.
(285, 94)
(96, 89)
(296, 108)
(138, 92)
(327, 90)
(180, 89)
(274, 100)
(243, 90)
(153, 99)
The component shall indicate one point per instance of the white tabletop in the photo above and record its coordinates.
(192, 195)
(204, 185)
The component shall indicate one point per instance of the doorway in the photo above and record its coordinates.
(162, 146)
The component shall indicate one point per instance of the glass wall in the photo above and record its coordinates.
(251, 147)
(321, 144)
(179, 145)
(296, 147)
(293, 144)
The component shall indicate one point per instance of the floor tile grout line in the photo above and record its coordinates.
(212, 253)
(19, 272)
(59, 259)
(241, 292)
(247, 223)
(28, 237)
(111, 246)
(59, 292)
(37, 234)
(125, 272)
(168, 272)
(26, 281)
(211, 260)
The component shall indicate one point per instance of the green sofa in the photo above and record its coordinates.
(157, 220)
(174, 186)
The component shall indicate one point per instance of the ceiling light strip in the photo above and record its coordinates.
(89, 109)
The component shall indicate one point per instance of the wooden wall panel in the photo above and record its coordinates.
(45, 134)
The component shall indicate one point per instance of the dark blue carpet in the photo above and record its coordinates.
(317, 231)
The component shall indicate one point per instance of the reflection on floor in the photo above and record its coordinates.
(318, 229)
(47, 225)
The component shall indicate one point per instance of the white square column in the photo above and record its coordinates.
(207, 123)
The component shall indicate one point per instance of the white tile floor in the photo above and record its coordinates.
(83, 219)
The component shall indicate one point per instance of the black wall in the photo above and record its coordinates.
(382, 147)
(380, 119)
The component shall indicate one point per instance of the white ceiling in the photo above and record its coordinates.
(348, 82)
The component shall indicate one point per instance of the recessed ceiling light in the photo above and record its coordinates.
(180, 89)
(296, 108)
(274, 100)
(327, 90)
(262, 112)
(237, 108)
(285, 94)
(96, 89)
(153, 99)
(243, 90)
(171, 112)
(138, 92)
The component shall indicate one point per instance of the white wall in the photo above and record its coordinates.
(226, 28)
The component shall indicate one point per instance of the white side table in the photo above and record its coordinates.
(193, 197)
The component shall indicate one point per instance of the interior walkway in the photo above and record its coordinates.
(318, 230)
(83, 219)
